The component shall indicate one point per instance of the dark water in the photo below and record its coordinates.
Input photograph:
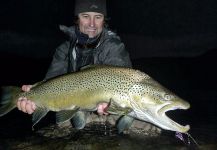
(193, 79)
(17, 135)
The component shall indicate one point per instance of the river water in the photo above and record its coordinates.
(102, 136)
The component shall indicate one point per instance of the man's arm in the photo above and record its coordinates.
(59, 63)
(114, 53)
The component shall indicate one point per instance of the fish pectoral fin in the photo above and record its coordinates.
(124, 123)
(38, 114)
(79, 120)
(65, 115)
(115, 108)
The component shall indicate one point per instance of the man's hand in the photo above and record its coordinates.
(101, 108)
(25, 105)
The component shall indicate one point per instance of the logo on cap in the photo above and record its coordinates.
(93, 6)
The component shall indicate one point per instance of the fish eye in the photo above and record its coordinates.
(167, 97)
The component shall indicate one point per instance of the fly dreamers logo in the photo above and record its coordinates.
(93, 6)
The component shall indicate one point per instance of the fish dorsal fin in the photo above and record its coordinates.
(39, 113)
(38, 83)
(88, 67)
(114, 108)
(94, 66)
(65, 115)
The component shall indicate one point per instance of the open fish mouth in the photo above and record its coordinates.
(170, 124)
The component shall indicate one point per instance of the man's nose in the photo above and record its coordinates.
(92, 22)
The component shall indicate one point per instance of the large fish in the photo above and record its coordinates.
(129, 92)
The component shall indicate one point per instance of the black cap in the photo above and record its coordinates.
(98, 6)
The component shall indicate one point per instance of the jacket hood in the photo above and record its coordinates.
(69, 31)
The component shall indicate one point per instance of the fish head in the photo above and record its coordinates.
(150, 102)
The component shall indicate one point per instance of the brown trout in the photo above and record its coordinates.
(128, 91)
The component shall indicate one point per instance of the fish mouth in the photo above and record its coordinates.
(169, 124)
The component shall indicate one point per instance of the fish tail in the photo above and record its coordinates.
(9, 95)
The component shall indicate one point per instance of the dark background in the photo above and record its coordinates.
(174, 41)
(149, 28)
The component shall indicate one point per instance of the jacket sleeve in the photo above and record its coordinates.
(59, 63)
(114, 53)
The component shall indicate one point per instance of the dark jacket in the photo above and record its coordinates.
(109, 50)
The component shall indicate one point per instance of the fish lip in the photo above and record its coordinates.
(169, 123)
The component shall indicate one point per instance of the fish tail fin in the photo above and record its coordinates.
(9, 96)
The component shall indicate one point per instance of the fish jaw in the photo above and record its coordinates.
(157, 115)
(168, 123)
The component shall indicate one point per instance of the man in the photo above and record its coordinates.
(90, 42)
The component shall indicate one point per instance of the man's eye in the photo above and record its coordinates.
(85, 16)
(98, 17)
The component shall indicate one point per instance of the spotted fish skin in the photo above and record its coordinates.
(128, 91)
(85, 88)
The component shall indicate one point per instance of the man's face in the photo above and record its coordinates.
(91, 23)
